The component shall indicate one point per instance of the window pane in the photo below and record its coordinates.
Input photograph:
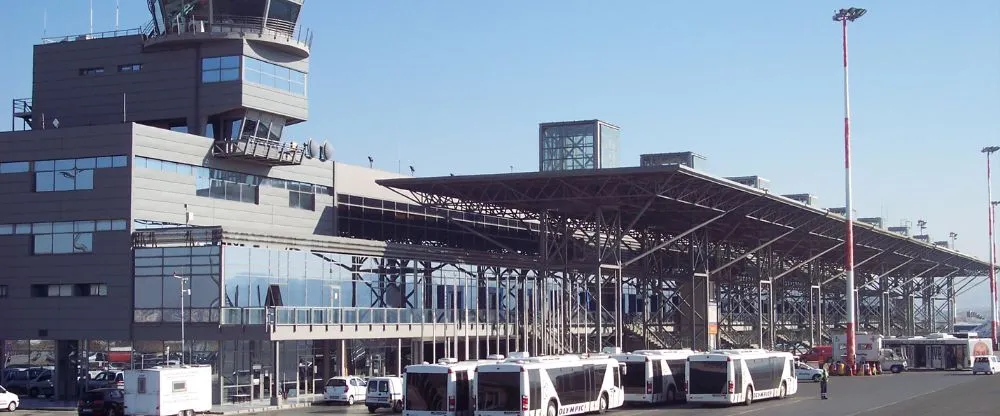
(62, 243)
(230, 62)
(119, 161)
(210, 63)
(104, 162)
(210, 76)
(65, 164)
(44, 165)
(43, 244)
(62, 227)
(13, 167)
(44, 181)
(85, 179)
(86, 163)
(65, 180)
(83, 242)
(118, 225)
(230, 74)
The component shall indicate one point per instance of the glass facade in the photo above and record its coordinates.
(220, 69)
(610, 139)
(568, 147)
(65, 237)
(64, 174)
(274, 76)
(236, 186)
(158, 291)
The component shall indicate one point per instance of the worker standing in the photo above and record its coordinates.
(823, 381)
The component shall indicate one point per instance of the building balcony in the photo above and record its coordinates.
(259, 150)
(21, 110)
(284, 35)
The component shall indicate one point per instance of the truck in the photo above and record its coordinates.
(870, 349)
(161, 391)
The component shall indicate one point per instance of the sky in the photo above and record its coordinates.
(451, 86)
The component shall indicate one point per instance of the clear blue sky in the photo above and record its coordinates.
(453, 86)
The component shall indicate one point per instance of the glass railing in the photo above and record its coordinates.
(365, 316)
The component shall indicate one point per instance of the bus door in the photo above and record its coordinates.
(935, 356)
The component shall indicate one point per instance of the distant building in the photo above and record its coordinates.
(689, 159)
(752, 181)
(807, 199)
(873, 221)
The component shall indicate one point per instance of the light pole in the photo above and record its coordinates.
(953, 236)
(184, 291)
(843, 16)
(989, 150)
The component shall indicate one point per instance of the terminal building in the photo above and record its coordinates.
(149, 174)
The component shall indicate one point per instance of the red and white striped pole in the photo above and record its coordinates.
(992, 274)
(844, 16)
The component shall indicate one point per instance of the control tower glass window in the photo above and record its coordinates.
(274, 76)
(220, 69)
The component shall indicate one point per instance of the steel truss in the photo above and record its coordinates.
(708, 264)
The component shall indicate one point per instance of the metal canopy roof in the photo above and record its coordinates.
(673, 199)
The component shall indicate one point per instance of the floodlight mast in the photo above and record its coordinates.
(843, 16)
(989, 150)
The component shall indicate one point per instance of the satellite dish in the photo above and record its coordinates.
(311, 150)
(324, 151)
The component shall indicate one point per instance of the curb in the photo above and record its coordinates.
(47, 409)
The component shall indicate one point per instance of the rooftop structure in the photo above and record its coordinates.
(689, 159)
(572, 145)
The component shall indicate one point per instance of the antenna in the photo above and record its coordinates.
(91, 18)
(45, 22)
(118, 5)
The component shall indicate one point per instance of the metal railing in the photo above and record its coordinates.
(260, 149)
(285, 315)
(96, 35)
(274, 28)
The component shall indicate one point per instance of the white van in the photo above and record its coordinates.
(384, 393)
(986, 364)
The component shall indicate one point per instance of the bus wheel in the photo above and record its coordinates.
(782, 391)
(896, 369)
(552, 410)
(602, 404)
(749, 398)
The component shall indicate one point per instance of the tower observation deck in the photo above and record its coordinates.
(272, 21)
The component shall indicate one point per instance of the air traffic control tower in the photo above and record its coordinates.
(232, 70)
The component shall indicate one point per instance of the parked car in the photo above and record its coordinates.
(347, 390)
(384, 393)
(806, 372)
(42, 385)
(109, 401)
(17, 379)
(8, 400)
(986, 364)
(107, 379)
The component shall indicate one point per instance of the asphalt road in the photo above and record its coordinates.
(906, 394)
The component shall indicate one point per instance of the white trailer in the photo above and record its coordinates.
(162, 391)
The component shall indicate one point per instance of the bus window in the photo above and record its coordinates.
(428, 392)
(634, 381)
(498, 391)
(708, 377)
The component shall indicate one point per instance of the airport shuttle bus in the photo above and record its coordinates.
(442, 389)
(940, 351)
(740, 376)
(549, 385)
(654, 376)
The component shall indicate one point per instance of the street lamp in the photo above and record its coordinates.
(184, 291)
(843, 16)
(989, 150)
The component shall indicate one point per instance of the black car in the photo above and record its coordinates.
(102, 402)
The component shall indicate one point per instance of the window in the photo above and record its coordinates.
(69, 290)
(141, 384)
(65, 174)
(91, 71)
(220, 69)
(3, 291)
(300, 195)
(14, 167)
(130, 68)
(64, 243)
(179, 387)
(275, 76)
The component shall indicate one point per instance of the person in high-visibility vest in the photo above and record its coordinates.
(823, 381)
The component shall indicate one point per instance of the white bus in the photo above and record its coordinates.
(654, 376)
(558, 385)
(740, 376)
(439, 389)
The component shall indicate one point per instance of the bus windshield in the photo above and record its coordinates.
(708, 377)
(427, 392)
(499, 391)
